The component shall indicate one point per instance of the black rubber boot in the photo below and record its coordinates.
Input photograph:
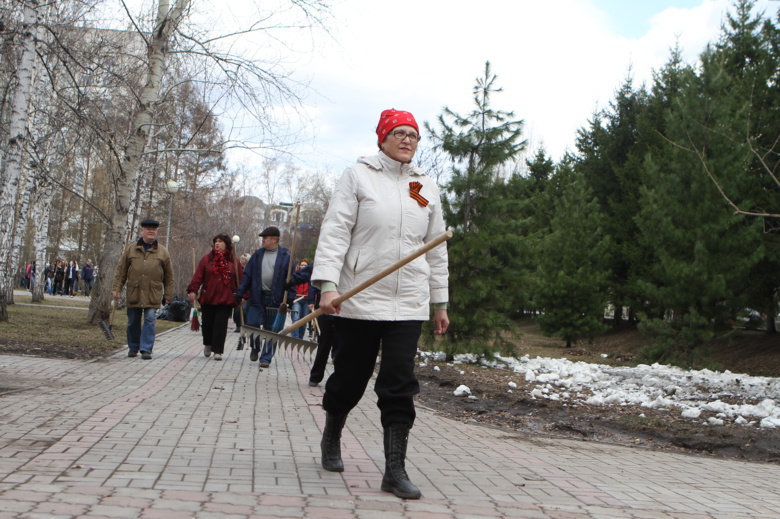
(395, 479)
(331, 442)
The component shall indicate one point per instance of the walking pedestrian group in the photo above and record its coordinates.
(383, 208)
(60, 277)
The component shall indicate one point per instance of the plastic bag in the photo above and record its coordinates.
(178, 310)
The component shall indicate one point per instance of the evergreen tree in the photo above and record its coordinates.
(573, 265)
(537, 190)
(720, 125)
(540, 171)
(610, 155)
(663, 100)
(703, 253)
(487, 245)
(748, 53)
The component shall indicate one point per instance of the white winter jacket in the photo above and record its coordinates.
(371, 223)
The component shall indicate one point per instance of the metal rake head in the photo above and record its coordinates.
(283, 341)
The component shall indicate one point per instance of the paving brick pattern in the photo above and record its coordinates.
(185, 436)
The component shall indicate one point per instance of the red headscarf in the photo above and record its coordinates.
(392, 118)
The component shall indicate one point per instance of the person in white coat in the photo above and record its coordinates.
(383, 209)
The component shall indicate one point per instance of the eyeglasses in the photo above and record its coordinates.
(401, 135)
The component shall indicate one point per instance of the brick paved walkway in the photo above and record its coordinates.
(185, 436)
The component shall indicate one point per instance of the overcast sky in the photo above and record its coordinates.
(557, 61)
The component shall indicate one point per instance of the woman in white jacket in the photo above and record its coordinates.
(382, 210)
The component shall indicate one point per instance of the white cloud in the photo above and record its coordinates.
(557, 62)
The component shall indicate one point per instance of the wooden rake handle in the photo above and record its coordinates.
(373, 279)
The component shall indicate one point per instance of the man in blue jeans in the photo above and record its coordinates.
(145, 267)
(264, 279)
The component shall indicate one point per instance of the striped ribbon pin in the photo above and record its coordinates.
(414, 192)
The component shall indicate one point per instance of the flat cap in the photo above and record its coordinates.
(270, 231)
(150, 223)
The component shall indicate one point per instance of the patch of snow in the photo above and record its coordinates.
(745, 399)
(770, 423)
(462, 391)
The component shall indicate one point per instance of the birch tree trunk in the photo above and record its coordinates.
(23, 206)
(41, 210)
(168, 16)
(17, 140)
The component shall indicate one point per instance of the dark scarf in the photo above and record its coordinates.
(221, 265)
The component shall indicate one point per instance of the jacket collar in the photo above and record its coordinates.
(381, 162)
(140, 243)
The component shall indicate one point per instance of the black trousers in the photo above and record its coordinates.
(213, 325)
(237, 314)
(326, 347)
(359, 343)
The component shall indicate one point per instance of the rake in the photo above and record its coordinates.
(282, 338)
(107, 326)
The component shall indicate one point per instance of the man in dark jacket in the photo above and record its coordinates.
(264, 278)
(88, 277)
(146, 268)
(48, 276)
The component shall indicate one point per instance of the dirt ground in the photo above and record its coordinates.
(518, 413)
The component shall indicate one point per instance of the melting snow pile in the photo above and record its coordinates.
(740, 399)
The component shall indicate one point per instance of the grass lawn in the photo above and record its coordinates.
(58, 327)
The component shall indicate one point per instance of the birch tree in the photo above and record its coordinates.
(169, 15)
(253, 85)
(13, 167)
(42, 193)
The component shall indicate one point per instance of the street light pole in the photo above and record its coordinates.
(171, 187)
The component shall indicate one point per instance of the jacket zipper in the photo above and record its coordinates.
(396, 309)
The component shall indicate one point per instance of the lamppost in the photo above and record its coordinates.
(171, 187)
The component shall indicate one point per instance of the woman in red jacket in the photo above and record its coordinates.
(217, 280)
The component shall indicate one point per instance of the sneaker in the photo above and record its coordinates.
(146, 355)
(206, 350)
(217, 356)
(265, 364)
(253, 356)
(132, 354)
(313, 383)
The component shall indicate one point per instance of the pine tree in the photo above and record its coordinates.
(573, 265)
(486, 245)
(537, 191)
(749, 53)
(610, 155)
(703, 253)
